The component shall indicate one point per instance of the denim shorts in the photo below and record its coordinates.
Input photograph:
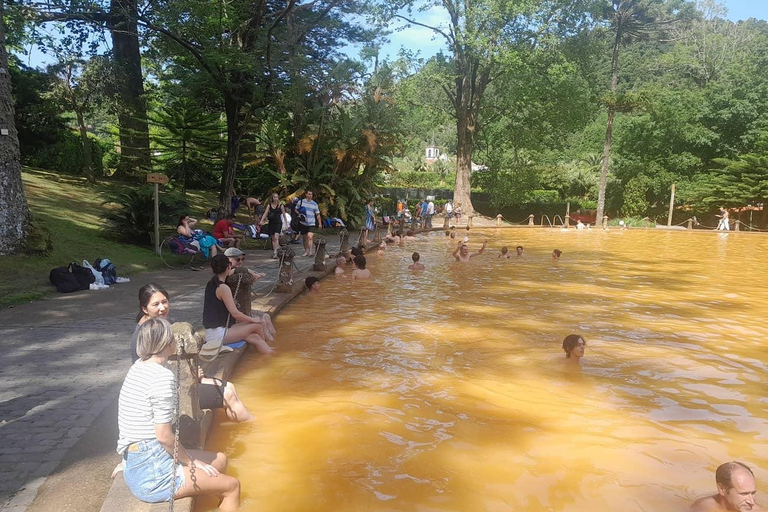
(148, 469)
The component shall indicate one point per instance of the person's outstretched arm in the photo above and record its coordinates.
(456, 252)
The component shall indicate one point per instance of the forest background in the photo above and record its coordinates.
(603, 104)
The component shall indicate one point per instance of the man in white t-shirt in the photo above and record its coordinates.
(430, 213)
(309, 221)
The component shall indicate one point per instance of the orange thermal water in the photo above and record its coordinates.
(446, 390)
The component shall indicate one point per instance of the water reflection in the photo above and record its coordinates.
(446, 389)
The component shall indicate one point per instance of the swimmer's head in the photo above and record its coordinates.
(341, 261)
(382, 245)
(409, 233)
(447, 232)
(736, 485)
(464, 250)
(453, 235)
(360, 262)
(399, 232)
(556, 254)
(467, 228)
(312, 283)
(415, 257)
(504, 250)
(355, 251)
(574, 344)
(519, 249)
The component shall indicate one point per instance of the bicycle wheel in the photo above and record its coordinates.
(172, 260)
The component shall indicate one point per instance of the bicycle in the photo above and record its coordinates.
(170, 255)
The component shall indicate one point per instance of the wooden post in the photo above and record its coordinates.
(241, 292)
(568, 215)
(605, 222)
(377, 234)
(285, 273)
(469, 220)
(446, 222)
(157, 218)
(671, 206)
(191, 433)
(389, 228)
(690, 223)
(646, 221)
(736, 225)
(319, 254)
(530, 220)
(343, 242)
(498, 220)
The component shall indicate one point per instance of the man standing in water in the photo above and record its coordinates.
(463, 255)
(736, 489)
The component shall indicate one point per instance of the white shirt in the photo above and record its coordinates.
(431, 208)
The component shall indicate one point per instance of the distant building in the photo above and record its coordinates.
(432, 153)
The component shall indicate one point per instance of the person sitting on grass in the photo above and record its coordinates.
(341, 262)
(416, 265)
(360, 271)
(146, 439)
(312, 284)
(504, 253)
(219, 306)
(463, 255)
(224, 233)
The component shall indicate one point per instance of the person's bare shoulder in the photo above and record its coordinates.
(706, 504)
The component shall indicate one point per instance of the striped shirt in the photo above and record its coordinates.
(147, 398)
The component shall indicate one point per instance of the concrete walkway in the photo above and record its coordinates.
(63, 362)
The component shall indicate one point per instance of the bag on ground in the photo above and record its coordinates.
(63, 280)
(107, 269)
(251, 231)
(98, 278)
(83, 275)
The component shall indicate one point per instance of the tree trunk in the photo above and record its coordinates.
(14, 211)
(462, 189)
(87, 157)
(234, 136)
(609, 129)
(132, 113)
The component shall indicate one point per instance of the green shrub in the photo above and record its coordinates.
(66, 155)
(133, 218)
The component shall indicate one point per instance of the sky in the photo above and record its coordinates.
(422, 40)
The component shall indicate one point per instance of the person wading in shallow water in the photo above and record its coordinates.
(736, 489)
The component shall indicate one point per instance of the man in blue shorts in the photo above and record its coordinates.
(309, 220)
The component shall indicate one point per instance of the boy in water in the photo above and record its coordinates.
(463, 255)
(409, 235)
(360, 271)
(341, 262)
(556, 254)
(312, 284)
(504, 253)
(382, 248)
(519, 251)
(416, 265)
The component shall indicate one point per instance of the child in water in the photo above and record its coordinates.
(360, 271)
(574, 346)
(382, 248)
(504, 253)
(556, 254)
(416, 265)
(341, 262)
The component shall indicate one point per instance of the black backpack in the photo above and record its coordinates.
(64, 280)
(83, 275)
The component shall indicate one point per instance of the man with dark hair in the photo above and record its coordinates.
(736, 489)
(310, 221)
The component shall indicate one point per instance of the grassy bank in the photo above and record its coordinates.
(72, 209)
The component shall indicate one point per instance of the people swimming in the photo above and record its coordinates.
(504, 253)
(312, 284)
(416, 265)
(736, 489)
(463, 255)
(382, 248)
(360, 271)
(574, 346)
(341, 262)
(519, 252)
(556, 254)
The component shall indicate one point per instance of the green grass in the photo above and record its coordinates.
(72, 209)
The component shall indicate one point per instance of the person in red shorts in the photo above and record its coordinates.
(225, 234)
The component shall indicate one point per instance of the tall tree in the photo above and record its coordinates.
(628, 20)
(481, 36)
(14, 211)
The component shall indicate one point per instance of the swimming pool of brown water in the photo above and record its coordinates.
(446, 390)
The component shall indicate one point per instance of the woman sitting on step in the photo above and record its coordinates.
(146, 439)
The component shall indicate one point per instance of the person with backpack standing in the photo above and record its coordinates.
(309, 221)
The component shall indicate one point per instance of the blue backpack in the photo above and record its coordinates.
(107, 269)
